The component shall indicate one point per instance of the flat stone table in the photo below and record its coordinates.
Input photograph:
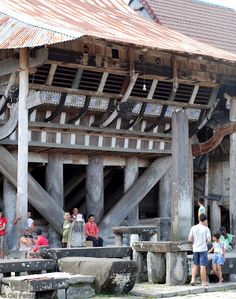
(26, 265)
(135, 233)
(163, 261)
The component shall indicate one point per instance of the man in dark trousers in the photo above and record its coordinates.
(91, 232)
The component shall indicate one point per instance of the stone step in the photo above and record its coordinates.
(57, 285)
(98, 252)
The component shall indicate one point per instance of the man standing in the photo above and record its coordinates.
(91, 232)
(200, 235)
(3, 222)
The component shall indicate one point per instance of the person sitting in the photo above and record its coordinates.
(40, 240)
(91, 232)
(30, 221)
(26, 241)
(66, 229)
(228, 239)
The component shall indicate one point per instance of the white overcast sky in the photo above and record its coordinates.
(227, 3)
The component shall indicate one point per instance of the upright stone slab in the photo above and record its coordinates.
(215, 216)
(94, 188)
(131, 174)
(9, 202)
(182, 177)
(156, 267)
(55, 187)
(76, 236)
(232, 170)
(176, 268)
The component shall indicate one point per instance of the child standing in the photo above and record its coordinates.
(219, 255)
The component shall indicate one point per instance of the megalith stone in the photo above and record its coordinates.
(76, 236)
(176, 268)
(115, 276)
(156, 267)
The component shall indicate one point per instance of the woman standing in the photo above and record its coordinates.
(66, 229)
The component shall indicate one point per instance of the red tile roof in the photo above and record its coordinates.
(212, 24)
(30, 23)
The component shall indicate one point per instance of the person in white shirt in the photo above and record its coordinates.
(200, 235)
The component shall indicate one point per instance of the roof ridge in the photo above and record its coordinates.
(150, 11)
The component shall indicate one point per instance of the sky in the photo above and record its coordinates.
(227, 3)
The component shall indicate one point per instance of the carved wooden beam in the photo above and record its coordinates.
(11, 65)
(215, 140)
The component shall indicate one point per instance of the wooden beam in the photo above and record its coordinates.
(51, 74)
(135, 194)
(11, 65)
(125, 97)
(11, 123)
(38, 197)
(22, 157)
(115, 96)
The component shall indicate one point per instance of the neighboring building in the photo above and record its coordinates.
(208, 23)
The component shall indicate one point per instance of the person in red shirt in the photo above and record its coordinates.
(91, 232)
(3, 222)
(40, 240)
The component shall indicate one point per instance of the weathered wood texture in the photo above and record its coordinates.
(9, 201)
(215, 140)
(55, 188)
(232, 169)
(182, 184)
(130, 175)
(164, 203)
(38, 197)
(94, 188)
(22, 157)
(135, 194)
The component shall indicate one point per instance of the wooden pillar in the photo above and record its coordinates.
(164, 204)
(182, 187)
(94, 188)
(9, 203)
(131, 174)
(22, 158)
(55, 188)
(232, 167)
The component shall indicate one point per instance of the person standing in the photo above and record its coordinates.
(219, 255)
(91, 232)
(201, 209)
(200, 235)
(66, 229)
(3, 223)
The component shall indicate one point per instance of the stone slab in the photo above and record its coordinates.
(139, 230)
(47, 281)
(149, 290)
(111, 275)
(37, 282)
(162, 246)
(25, 265)
(85, 291)
(96, 252)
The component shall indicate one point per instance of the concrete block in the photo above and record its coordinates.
(156, 267)
(141, 259)
(176, 268)
(81, 279)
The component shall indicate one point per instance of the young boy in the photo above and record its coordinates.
(219, 255)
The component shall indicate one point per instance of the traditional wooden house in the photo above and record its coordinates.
(97, 107)
(216, 26)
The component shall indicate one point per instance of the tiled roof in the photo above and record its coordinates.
(208, 23)
(30, 23)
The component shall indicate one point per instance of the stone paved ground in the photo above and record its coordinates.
(213, 295)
